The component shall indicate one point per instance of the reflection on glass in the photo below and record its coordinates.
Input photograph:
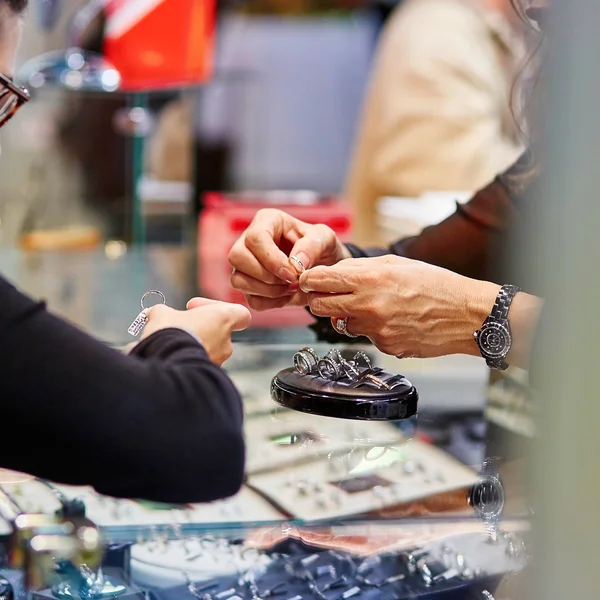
(74, 69)
(7, 476)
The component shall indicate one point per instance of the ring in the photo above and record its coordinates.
(150, 293)
(330, 367)
(306, 361)
(351, 370)
(341, 326)
(361, 356)
(298, 263)
(376, 381)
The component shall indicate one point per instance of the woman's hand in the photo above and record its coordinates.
(210, 321)
(260, 258)
(405, 307)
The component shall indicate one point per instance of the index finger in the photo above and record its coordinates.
(332, 280)
(261, 239)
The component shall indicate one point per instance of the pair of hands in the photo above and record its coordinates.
(212, 322)
(405, 307)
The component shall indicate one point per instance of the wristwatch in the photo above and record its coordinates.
(494, 338)
(487, 496)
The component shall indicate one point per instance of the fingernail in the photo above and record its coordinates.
(286, 275)
(305, 287)
(292, 289)
(304, 259)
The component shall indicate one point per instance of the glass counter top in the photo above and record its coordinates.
(315, 486)
(424, 472)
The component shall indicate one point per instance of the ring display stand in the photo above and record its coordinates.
(345, 399)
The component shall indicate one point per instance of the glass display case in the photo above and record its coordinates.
(411, 504)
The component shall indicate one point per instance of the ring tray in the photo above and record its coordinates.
(368, 394)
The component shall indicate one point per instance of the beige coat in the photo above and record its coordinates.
(437, 114)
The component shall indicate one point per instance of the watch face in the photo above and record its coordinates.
(487, 497)
(494, 340)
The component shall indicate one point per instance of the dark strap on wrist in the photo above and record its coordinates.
(499, 314)
(503, 301)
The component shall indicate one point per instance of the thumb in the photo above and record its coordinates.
(198, 302)
(312, 246)
(232, 317)
(241, 316)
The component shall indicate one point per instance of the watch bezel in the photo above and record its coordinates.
(485, 329)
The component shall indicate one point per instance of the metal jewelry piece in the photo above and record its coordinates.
(334, 367)
(306, 361)
(298, 264)
(332, 585)
(330, 367)
(352, 367)
(446, 575)
(425, 572)
(351, 592)
(341, 326)
(361, 356)
(369, 376)
(140, 321)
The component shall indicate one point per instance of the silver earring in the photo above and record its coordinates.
(140, 321)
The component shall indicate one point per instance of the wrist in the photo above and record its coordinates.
(479, 302)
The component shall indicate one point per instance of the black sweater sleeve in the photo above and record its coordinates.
(162, 424)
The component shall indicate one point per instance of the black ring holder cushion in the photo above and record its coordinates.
(345, 399)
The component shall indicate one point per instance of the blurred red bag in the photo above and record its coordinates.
(157, 44)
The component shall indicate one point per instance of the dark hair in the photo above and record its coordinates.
(17, 6)
(526, 102)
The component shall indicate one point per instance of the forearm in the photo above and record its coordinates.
(149, 422)
(464, 242)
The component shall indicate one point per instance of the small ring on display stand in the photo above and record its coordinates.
(351, 370)
(330, 367)
(362, 356)
(306, 361)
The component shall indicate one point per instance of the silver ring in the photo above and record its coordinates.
(330, 367)
(341, 326)
(151, 293)
(360, 355)
(351, 369)
(298, 263)
(306, 361)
